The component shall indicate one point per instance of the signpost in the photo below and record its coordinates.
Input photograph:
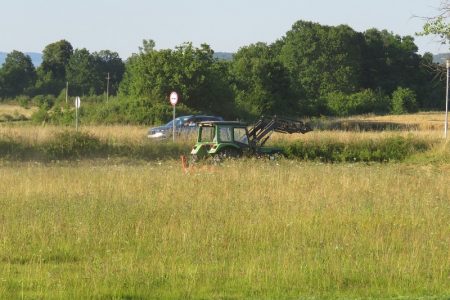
(173, 100)
(77, 106)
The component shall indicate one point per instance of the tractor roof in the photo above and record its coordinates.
(213, 123)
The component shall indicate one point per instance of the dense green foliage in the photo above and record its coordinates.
(16, 75)
(193, 72)
(313, 70)
(366, 101)
(390, 149)
(404, 101)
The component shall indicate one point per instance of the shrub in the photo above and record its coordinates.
(62, 116)
(44, 101)
(131, 111)
(73, 144)
(366, 101)
(23, 101)
(390, 149)
(40, 116)
(404, 101)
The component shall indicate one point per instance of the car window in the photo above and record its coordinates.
(189, 122)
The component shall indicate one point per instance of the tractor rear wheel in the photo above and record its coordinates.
(227, 153)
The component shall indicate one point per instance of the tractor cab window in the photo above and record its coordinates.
(207, 134)
(240, 136)
(225, 134)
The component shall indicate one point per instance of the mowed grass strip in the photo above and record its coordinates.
(245, 229)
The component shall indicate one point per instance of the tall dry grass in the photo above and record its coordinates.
(12, 110)
(33, 134)
(423, 120)
(245, 229)
(124, 134)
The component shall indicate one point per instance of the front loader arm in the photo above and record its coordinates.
(265, 126)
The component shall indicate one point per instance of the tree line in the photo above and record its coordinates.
(312, 70)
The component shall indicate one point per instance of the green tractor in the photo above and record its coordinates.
(230, 139)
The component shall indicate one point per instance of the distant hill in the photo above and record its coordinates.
(223, 55)
(440, 58)
(2, 57)
(36, 58)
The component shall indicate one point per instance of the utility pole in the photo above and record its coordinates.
(107, 87)
(67, 91)
(446, 99)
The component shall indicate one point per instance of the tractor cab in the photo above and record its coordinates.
(224, 138)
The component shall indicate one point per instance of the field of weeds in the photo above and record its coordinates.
(136, 227)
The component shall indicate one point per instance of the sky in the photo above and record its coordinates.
(226, 25)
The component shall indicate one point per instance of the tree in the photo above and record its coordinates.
(390, 61)
(261, 83)
(193, 72)
(52, 71)
(439, 25)
(147, 46)
(107, 62)
(321, 59)
(17, 74)
(82, 74)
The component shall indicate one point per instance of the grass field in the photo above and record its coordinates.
(258, 229)
(241, 230)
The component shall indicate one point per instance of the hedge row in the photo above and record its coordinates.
(71, 145)
(384, 150)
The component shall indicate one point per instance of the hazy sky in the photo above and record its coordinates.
(226, 25)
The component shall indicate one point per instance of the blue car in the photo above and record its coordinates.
(183, 125)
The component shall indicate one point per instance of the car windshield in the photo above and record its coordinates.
(178, 122)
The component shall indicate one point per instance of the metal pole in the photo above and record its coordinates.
(446, 100)
(173, 136)
(107, 88)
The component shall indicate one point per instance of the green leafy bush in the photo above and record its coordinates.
(73, 144)
(40, 116)
(366, 101)
(63, 115)
(44, 101)
(131, 111)
(390, 149)
(404, 101)
(24, 101)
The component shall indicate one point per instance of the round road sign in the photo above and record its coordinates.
(173, 98)
(77, 102)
